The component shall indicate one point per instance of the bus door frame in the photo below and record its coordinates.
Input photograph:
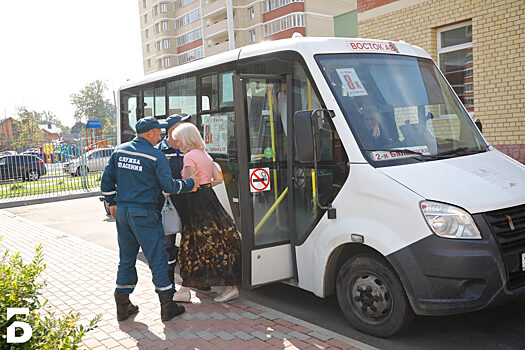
(246, 212)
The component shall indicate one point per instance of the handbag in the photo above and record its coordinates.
(170, 218)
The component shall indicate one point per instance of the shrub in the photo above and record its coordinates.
(20, 286)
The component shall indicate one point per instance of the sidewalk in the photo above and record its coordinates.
(81, 277)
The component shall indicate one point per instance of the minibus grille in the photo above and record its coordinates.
(508, 227)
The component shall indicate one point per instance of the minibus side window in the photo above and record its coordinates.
(128, 116)
(182, 96)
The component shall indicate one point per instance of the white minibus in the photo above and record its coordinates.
(351, 167)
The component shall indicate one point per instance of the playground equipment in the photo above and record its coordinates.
(94, 135)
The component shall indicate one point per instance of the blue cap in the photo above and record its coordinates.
(147, 124)
(174, 119)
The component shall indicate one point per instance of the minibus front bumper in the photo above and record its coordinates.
(450, 276)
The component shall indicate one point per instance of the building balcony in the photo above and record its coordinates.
(216, 48)
(215, 30)
(213, 8)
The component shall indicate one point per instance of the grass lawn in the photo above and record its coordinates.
(42, 186)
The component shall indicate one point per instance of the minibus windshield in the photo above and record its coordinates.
(400, 108)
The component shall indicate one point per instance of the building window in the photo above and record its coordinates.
(149, 63)
(148, 48)
(189, 37)
(144, 3)
(164, 26)
(191, 55)
(167, 62)
(159, 63)
(252, 36)
(156, 10)
(157, 28)
(251, 13)
(166, 44)
(158, 45)
(181, 3)
(284, 23)
(146, 18)
(455, 60)
(163, 7)
(188, 18)
(270, 5)
(146, 32)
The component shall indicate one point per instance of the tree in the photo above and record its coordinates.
(26, 127)
(90, 104)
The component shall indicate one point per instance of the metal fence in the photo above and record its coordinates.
(38, 168)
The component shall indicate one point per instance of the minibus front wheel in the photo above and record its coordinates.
(372, 297)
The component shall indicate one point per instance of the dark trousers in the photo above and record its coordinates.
(140, 228)
(173, 251)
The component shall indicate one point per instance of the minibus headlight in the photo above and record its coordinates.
(448, 221)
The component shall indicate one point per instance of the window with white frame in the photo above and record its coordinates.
(164, 26)
(156, 10)
(252, 36)
(167, 62)
(251, 13)
(284, 23)
(163, 7)
(157, 27)
(149, 63)
(146, 33)
(148, 48)
(159, 63)
(181, 3)
(158, 44)
(270, 5)
(144, 3)
(191, 55)
(166, 44)
(146, 18)
(189, 37)
(188, 18)
(455, 60)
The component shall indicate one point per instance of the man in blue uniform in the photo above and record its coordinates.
(175, 159)
(134, 177)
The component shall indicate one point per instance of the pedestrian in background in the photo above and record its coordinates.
(175, 159)
(210, 247)
(133, 178)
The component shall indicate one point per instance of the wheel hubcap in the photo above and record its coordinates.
(371, 298)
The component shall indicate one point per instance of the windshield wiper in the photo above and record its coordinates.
(458, 151)
(404, 150)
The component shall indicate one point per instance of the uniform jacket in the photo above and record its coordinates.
(136, 174)
(175, 158)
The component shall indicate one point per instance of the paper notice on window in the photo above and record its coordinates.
(216, 133)
(351, 82)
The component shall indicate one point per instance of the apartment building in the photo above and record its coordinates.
(477, 44)
(175, 32)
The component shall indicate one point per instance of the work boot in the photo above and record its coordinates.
(169, 308)
(124, 307)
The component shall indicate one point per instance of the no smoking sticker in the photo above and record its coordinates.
(259, 179)
(299, 178)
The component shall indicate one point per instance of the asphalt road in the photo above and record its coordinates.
(498, 328)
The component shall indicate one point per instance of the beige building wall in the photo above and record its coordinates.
(319, 25)
(498, 37)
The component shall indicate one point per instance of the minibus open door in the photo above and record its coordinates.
(267, 221)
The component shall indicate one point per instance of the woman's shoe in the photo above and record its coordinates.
(182, 297)
(224, 297)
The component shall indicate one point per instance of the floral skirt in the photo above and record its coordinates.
(210, 246)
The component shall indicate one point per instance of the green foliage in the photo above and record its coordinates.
(20, 286)
(91, 105)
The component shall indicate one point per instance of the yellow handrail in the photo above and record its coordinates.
(270, 211)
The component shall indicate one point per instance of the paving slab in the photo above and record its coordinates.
(81, 276)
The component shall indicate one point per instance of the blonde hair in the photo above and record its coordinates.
(189, 137)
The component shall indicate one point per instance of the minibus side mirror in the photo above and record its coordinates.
(304, 137)
(479, 125)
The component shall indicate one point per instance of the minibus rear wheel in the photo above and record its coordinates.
(372, 297)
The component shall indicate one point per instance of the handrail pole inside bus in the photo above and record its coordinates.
(270, 211)
(272, 133)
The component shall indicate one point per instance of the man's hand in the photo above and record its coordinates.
(113, 211)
